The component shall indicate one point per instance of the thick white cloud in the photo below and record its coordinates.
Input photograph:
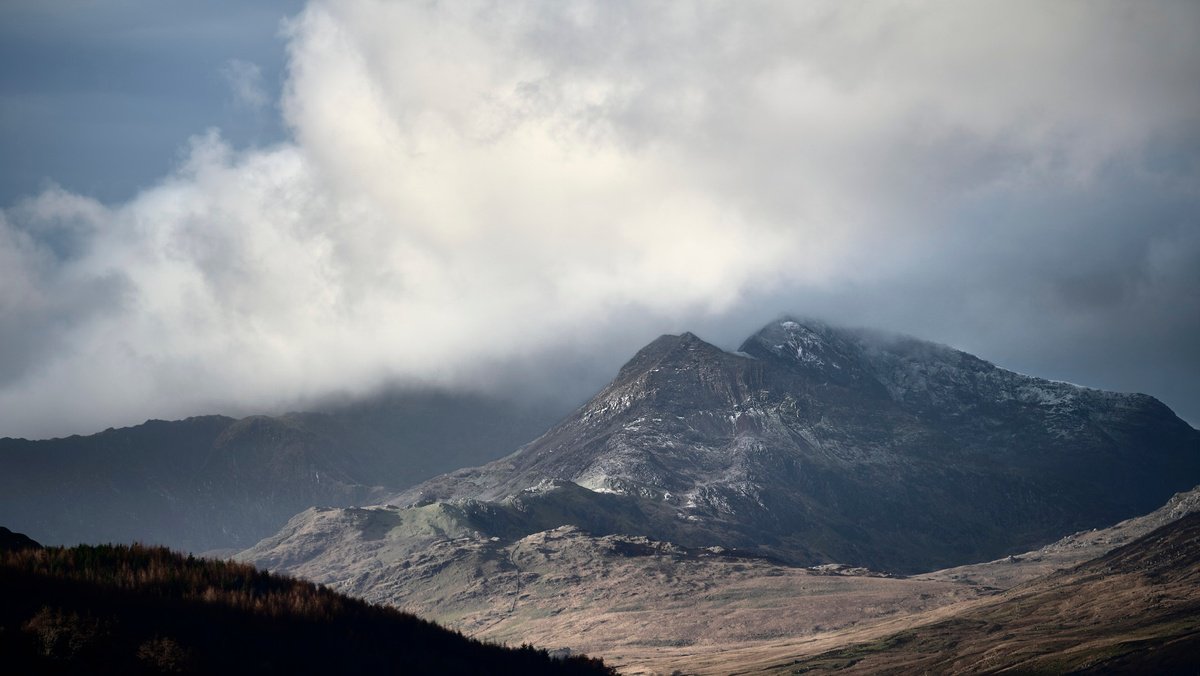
(470, 183)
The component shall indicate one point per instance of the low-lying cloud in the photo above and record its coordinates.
(471, 185)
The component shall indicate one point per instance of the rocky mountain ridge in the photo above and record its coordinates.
(821, 444)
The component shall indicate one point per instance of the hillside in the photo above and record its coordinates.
(147, 610)
(628, 597)
(911, 605)
(1133, 610)
(214, 482)
(647, 606)
(1069, 551)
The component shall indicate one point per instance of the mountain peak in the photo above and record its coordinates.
(791, 328)
(808, 343)
(666, 347)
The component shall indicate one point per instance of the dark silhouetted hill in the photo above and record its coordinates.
(11, 542)
(136, 609)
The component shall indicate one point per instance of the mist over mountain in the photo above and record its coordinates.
(441, 191)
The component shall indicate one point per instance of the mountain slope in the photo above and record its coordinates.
(1133, 610)
(822, 444)
(1071, 550)
(215, 482)
(117, 609)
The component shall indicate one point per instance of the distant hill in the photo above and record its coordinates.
(1133, 610)
(214, 482)
(122, 609)
(10, 541)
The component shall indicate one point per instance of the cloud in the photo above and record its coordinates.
(475, 185)
(245, 81)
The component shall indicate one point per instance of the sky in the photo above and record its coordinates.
(252, 207)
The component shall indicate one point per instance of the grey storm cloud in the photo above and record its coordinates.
(471, 191)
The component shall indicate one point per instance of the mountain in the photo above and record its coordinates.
(669, 519)
(214, 482)
(119, 609)
(818, 444)
(1133, 610)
